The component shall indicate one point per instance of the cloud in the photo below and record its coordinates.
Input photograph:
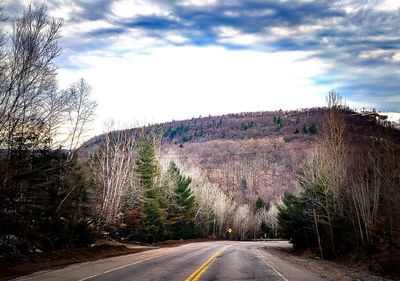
(358, 39)
(179, 83)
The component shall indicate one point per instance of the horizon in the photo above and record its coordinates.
(157, 61)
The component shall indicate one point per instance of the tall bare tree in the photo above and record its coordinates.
(29, 73)
(114, 174)
(80, 113)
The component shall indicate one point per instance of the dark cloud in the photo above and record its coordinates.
(151, 23)
(92, 10)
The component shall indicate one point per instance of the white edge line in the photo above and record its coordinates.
(267, 263)
(123, 266)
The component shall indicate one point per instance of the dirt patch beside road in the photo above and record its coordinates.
(328, 269)
(26, 264)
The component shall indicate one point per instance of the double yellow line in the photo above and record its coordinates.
(199, 271)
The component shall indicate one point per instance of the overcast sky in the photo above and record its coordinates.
(154, 61)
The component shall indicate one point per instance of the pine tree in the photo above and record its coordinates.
(312, 129)
(182, 218)
(146, 166)
(305, 129)
(151, 217)
(260, 203)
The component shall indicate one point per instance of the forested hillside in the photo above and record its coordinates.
(248, 155)
(233, 148)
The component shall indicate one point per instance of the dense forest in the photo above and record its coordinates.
(325, 178)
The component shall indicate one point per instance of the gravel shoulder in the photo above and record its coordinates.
(329, 270)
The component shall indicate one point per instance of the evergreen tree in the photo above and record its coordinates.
(305, 129)
(295, 223)
(182, 215)
(279, 123)
(146, 166)
(312, 129)
(151, 217)
(260, 203)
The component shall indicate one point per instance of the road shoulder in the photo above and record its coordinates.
(328, 270)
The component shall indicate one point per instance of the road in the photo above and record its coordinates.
(221, 260)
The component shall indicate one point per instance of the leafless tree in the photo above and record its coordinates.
(56, 105)
(29, 71)
(269, 217)
(316, 189)
(3, 55)
(242, 221)
(113, 172)
(80, 112)
(373, 182)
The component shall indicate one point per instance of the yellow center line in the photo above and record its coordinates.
(200, 270)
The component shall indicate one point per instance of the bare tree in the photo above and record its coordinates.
(332, 142)
(113, 171)
(316, 189)
(29, 72)
(3, 55)
(242, 221)
(56, 105)
(80, 112)
(269, 217)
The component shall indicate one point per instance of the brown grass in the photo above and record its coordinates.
(27, 264)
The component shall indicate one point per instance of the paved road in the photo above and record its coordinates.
(223, 260)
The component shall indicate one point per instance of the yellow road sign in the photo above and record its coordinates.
(229, 230)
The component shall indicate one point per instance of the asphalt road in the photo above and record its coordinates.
(222, 260)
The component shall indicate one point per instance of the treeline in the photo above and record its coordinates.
(349, 194)
(239, 126)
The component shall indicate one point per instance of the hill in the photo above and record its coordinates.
(248, 155)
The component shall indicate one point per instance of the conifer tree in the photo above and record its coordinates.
(146, 166)
(151, 217)
(184, 200)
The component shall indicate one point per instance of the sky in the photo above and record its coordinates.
(155, 61)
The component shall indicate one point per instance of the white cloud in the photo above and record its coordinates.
(388, 5)
(176, 38)
(178, 83)
(242, 39)
(374, 54)
(396, 57)
(74, 29)
(132, 8)
(233, 36)
(198, 2)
